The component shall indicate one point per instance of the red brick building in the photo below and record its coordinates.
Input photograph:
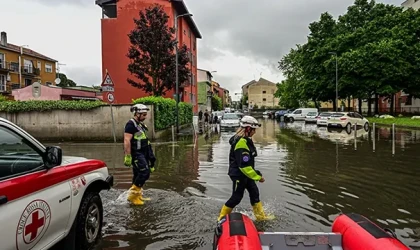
(116, 24)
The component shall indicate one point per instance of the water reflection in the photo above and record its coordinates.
(312, 174)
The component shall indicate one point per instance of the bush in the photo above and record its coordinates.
(3, 98)
(39, 106)
(164, 111)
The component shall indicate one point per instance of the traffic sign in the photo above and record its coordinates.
(110, 97)
(107, 80)
(107, 88)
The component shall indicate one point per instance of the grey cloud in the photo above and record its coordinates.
(64, 2)
(261, 29)
(86, 76)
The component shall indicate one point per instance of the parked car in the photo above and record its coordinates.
(299, 114)
(46, 198)
(347, 120)
(230, 120)
(281, 113)
(322, 119)
(311, 117)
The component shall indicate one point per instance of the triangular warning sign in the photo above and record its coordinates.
(107, 80)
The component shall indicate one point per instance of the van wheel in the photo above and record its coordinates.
(89, 222)
(348, 127)
(366, 126)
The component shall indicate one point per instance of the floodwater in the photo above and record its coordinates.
(312, 175)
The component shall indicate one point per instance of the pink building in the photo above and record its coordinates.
(54, 93)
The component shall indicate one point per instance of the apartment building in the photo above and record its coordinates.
(261, 93)
(117, 22)
(20, 67)
(415, 4)
(204, 89)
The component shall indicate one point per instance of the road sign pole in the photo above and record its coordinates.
(113, 123)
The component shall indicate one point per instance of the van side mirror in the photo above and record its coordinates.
(53, 157)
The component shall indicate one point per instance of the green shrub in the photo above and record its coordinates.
(39, 106)
(164, 111)
(3, 98)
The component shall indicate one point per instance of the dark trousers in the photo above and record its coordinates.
(238, 189)
(141, 170)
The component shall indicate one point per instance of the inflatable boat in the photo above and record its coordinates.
(236, 231)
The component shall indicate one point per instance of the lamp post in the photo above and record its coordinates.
(176, 69)
(336, 79)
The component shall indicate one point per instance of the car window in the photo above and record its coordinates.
(325, 114)
(16, 155)
(312, 113)
(357, 115)
(230, 116)
(297, 112)
(337, 115)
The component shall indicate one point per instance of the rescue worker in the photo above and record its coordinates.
(242, 169)
(138, 153)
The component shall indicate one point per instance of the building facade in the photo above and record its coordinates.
(415, 4)
(20, 67)
(54, 93)
(204, 92)
(116, 24)
(261, 93)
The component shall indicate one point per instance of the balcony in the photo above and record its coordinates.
(30, 71)
(5, 67)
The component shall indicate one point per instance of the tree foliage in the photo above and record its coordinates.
(377, 48)
(216, 103)
(152, 53)
(65, 82)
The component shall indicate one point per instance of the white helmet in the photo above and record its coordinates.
(139, 108)
(249, 121)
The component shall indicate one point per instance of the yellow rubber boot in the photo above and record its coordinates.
(259, 212)
(225, 210)
(142, 197)
(134, 194)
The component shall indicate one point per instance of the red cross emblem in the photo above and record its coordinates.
(32, 228)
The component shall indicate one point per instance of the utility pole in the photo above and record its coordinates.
(336, 79)
(176, 70)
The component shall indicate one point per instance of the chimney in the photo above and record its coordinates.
(3, 40)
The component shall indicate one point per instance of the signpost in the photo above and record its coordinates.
(108, 86)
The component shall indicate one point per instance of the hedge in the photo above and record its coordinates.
(25, 106)
(164, 111)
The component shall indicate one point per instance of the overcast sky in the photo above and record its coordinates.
(242, 39)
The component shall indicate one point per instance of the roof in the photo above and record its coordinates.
(208, 72)
(249, 83)
(29, 52)
(181, 8)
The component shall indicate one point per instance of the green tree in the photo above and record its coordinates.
(152, 53)
(65, 82)
(216, 103)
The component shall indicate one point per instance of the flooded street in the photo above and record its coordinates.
(312, 174)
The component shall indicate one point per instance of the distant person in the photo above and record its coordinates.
(206, 117)
(138, 153)
(200, 115)
(242, 170)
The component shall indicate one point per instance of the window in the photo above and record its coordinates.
(48, 68)
(194, 45)
(2, 61)
(14, 66)
(28, 82)
(16, 155)
(2, 83)
(264, 100)
(193, 79)
(409, 100)
(38, 64)
(264, 92)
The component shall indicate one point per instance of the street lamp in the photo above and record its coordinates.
(336, 79)
(176, 68)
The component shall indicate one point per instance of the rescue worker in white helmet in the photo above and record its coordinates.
(138, 153)
(242, 170)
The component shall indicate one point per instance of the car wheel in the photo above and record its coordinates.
(89, 221)
(292, 119)
(366, 126)
(348, 127)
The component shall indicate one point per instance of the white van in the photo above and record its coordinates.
(299, 114)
